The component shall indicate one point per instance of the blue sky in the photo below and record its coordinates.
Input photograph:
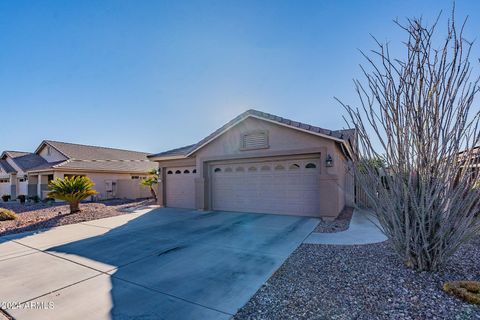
(154, 75)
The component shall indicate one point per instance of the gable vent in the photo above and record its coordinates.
(254, 140)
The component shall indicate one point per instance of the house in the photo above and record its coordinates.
(115, 172)
(14, 167)
(259, 162)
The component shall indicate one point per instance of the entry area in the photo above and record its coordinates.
(289, 187)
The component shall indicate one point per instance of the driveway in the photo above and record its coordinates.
(158, 264)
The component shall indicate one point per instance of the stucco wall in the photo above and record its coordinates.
(282, 141)
(53, 156)
(128, 189)
(4, 188)
(22, 188)
(131, 189)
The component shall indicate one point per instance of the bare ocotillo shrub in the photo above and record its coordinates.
(417, 115)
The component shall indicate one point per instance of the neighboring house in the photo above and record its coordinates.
(260, 162)
(14, 167)
(115, 172)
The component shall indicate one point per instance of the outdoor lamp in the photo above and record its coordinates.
(329, 161)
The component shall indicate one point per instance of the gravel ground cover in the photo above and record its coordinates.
(362, 282)
(33, 216)
(341, 223)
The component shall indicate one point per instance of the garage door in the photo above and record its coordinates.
(283, 187)
(180, 187)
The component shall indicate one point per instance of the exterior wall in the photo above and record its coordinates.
(53, 156)
(13, 187)
(283, 142)
(22, 188)
(125, 186)
(4, 188)
(131, 189)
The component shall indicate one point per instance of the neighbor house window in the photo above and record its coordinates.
(169, 172)
(310, 166)
(135, 177)
(49, 151)
(194, 171)
(217, 170)
(186, 171)
(178, 172)
(254, 140)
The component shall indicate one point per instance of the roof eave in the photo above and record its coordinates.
(160, 158)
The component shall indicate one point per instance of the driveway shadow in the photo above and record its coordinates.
(178, 264)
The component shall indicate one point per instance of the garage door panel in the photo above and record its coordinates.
(284, 187)
(180, 187)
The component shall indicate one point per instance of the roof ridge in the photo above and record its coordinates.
(94, 146)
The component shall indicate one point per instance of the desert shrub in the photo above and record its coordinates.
(22, 198)
(72, 189)
(468, 291)
(417, 146)
(6, 214)
(35, 199)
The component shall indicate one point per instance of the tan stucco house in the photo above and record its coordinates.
(115, 172)
(263, 163)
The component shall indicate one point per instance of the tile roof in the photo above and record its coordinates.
(86, 152)
(7, 167)
(14, 154)
(175, 152)
(337, 134)
(29, 161)
(85, 157)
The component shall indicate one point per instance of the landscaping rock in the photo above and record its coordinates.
(341, 223)
(362, 282)
(33, 216)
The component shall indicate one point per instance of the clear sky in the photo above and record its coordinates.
(153, 75)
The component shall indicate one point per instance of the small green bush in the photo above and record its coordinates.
(6, 214)
(22, 198)
(468, 291)
(35, 199)
(6, 197)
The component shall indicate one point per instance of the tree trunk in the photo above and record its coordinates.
(154, 195)
(74, 206)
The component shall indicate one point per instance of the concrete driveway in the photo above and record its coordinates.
(158, 264)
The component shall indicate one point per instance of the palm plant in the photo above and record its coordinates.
(150, 182)
(72, 190)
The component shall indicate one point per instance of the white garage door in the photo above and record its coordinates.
(283, 187)
(180, 185)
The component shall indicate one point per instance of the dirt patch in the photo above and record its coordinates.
(341, 223)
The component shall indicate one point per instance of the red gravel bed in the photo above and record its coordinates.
(33, 216)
